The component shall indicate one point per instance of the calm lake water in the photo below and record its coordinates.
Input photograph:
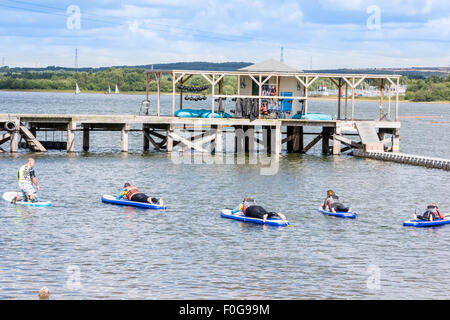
(81, 248)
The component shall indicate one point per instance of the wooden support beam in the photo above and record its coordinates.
(4, 138)
(158, 146)
(156, 134)
(193, 145)
(346, 141)
(312, 143)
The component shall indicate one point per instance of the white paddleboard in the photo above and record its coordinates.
(8, 196)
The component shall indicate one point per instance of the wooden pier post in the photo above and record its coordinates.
(326, 135)
(298, 140)
(218, 141)
(337, 143)
(147, 89)
(86, 133)
(381, 99)
(14, 137)
(145, 134)
(14, 141)
(346, 99)
(290, 139)
(71, 128)
(239, 139)
(169, 131)
(353, 98)
(124, 133)
(267, 138)
(389, 102)
(277, 139)
(339, 99)
(396, 141)
(396, 99)
(158, 102)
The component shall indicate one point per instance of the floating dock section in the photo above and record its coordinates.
(411, 159)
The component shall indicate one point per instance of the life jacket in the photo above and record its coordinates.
(432, 210)
(23, 175)
(248, 203)
(131, 191)
(333, 199)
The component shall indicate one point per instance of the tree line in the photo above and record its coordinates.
(432, 88)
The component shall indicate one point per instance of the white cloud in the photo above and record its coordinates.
(398, 7)
(129, 11)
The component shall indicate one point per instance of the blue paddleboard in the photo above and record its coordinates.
(8, 196)
(423, 223)
(349, 215)
(239, 216)
(111, 199)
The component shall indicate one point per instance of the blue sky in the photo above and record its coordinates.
(331, 33)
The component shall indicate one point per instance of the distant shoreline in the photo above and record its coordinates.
(322, 98)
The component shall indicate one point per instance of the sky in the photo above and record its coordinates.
(322, 34)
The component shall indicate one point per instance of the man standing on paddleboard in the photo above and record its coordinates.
(27, 177)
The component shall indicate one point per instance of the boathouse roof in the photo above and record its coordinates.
(270, 65)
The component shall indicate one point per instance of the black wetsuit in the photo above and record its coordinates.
(142, 197)
(333, 203)
(258, 212)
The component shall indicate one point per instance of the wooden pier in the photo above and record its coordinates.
(165, 133)
(269, 82)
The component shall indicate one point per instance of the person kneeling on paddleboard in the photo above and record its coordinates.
(251, 209)
(432, 213)
(27, 177)
(133, 194)
(333, 204)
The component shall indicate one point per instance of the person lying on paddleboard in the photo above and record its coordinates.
(27, 177)
(133, 194)
(432, 213)
(251, 209)
(333, 204)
